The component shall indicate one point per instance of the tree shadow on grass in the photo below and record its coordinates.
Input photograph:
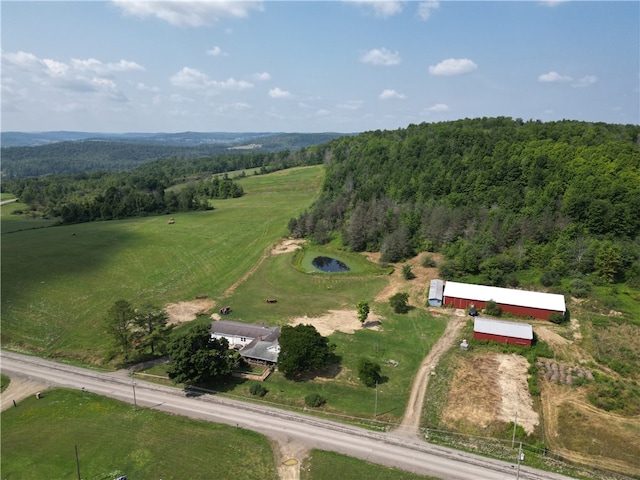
(330, 371)
(225, 385)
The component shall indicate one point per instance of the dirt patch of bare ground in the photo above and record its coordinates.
(488, 389)
(345, 321)
(183, 312)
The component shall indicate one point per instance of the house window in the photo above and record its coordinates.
(243, 339)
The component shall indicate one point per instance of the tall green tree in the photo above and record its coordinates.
(119, 325)
(197, 359)
(303, 349)
(362, 307)
(152, 330)
(368, 372)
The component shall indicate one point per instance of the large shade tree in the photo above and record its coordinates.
(197, 359)
(303, 349)
(119, 322)
(152, 330)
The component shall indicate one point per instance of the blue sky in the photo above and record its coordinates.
(304, 66)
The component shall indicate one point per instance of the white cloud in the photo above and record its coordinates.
(351, 105)
(188, 13)
(263, 76)
(382, 57)
(390, 94)
(554, 77)
(55, 69)
(381, 8)
(439, 107)
(146, 88)
(87, 76)
(21, 59)
(278, 93)
(216, 52)
(96, 66)
(585, 81)
(194, 79)
(453, 66)
(232, 84)
(189, 78)
(323, 112)
(426, 8)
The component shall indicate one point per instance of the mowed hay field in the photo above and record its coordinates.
(58, 283)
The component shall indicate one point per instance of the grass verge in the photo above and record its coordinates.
(114, 439)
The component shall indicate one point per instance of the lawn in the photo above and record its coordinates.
(59, 282)
(114, 439)
(321, 465)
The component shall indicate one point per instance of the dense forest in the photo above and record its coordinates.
(147, 190)
(494, 195)
(114, 154)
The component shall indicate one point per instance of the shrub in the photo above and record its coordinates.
(492, 308)
(407, 273)
(549, 279)
(579, 288)
(556, 317)
(399, 302)
(258, 390)
(314, 400)
(428, 261)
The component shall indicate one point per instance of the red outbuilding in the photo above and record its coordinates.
(522, 303)
(512, 333)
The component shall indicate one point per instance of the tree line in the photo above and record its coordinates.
(147, 189)
(495, 195)
(101, 154)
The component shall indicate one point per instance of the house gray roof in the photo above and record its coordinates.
(505, 296)
(240, 329)
(504, 328)
(262, 350)
(435, 289)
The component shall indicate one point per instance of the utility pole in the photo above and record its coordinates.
(375, 412)
(133, 384)
(519, 458)
(77, 463)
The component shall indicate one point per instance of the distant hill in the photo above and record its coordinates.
(49, 153)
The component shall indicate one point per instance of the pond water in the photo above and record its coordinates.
(328, 264)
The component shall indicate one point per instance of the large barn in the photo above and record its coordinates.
(512, 333)
(522, 303)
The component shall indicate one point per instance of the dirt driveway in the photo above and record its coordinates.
(19, 389)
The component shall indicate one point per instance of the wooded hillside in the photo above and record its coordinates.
(114, 154)
(496, 195)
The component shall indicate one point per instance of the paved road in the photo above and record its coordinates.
(382, 448)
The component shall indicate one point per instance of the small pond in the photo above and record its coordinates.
(328, 264)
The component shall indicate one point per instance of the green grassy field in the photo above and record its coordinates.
(58, 283)
(10, 221)
(321, 465)
(113, 439)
